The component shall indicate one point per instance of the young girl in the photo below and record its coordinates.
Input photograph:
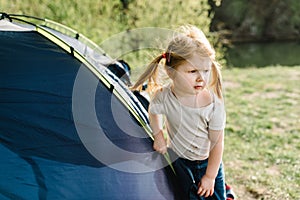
(194, 112)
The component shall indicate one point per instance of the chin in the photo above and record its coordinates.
(197, 92)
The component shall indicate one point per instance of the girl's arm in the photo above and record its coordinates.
(160, 144)
(215, 157)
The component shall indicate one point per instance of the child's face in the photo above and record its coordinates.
(192, 76)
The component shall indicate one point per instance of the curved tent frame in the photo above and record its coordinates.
(54, 31)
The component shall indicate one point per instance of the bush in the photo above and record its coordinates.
(101, 19)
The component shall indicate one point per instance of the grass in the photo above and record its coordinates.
(262, 143)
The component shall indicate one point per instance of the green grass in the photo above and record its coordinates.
(262, 143)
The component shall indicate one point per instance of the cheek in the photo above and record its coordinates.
(179, 77)
(206, 77)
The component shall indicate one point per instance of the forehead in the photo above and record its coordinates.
(198, 62)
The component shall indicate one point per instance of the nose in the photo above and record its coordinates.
(199, 77)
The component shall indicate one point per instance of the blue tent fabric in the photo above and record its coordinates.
(42, 154)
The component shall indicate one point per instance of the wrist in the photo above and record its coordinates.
(158, 133)
(210, 176)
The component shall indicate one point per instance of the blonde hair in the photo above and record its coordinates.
(187, 41)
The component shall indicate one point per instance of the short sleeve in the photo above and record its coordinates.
(156, 105)
(218, 118)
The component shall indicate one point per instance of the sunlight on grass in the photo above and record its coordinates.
(262, 135)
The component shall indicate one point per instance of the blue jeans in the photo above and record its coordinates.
(189, 174)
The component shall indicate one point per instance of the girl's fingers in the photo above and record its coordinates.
(205, 193)
(163, 150)
(201, 191)
(208, 193)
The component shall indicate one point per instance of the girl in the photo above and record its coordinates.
(194, 112)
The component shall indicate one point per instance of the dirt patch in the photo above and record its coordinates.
(229, 84)
(273, 170)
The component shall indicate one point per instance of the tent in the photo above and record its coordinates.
(70, 128)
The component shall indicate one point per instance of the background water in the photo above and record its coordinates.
(264, 54)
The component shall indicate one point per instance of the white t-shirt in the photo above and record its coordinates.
(188, 127)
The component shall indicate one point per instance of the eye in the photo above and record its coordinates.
(192, 71)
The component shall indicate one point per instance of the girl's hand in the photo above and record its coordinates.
(160, 144)
(206, 186)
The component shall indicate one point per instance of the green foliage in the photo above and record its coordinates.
(256, 20)
(295, 15)
(102, 19)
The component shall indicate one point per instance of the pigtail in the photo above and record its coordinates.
(150, 74)
(216, 82)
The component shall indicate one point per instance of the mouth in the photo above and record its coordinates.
(198, 87)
